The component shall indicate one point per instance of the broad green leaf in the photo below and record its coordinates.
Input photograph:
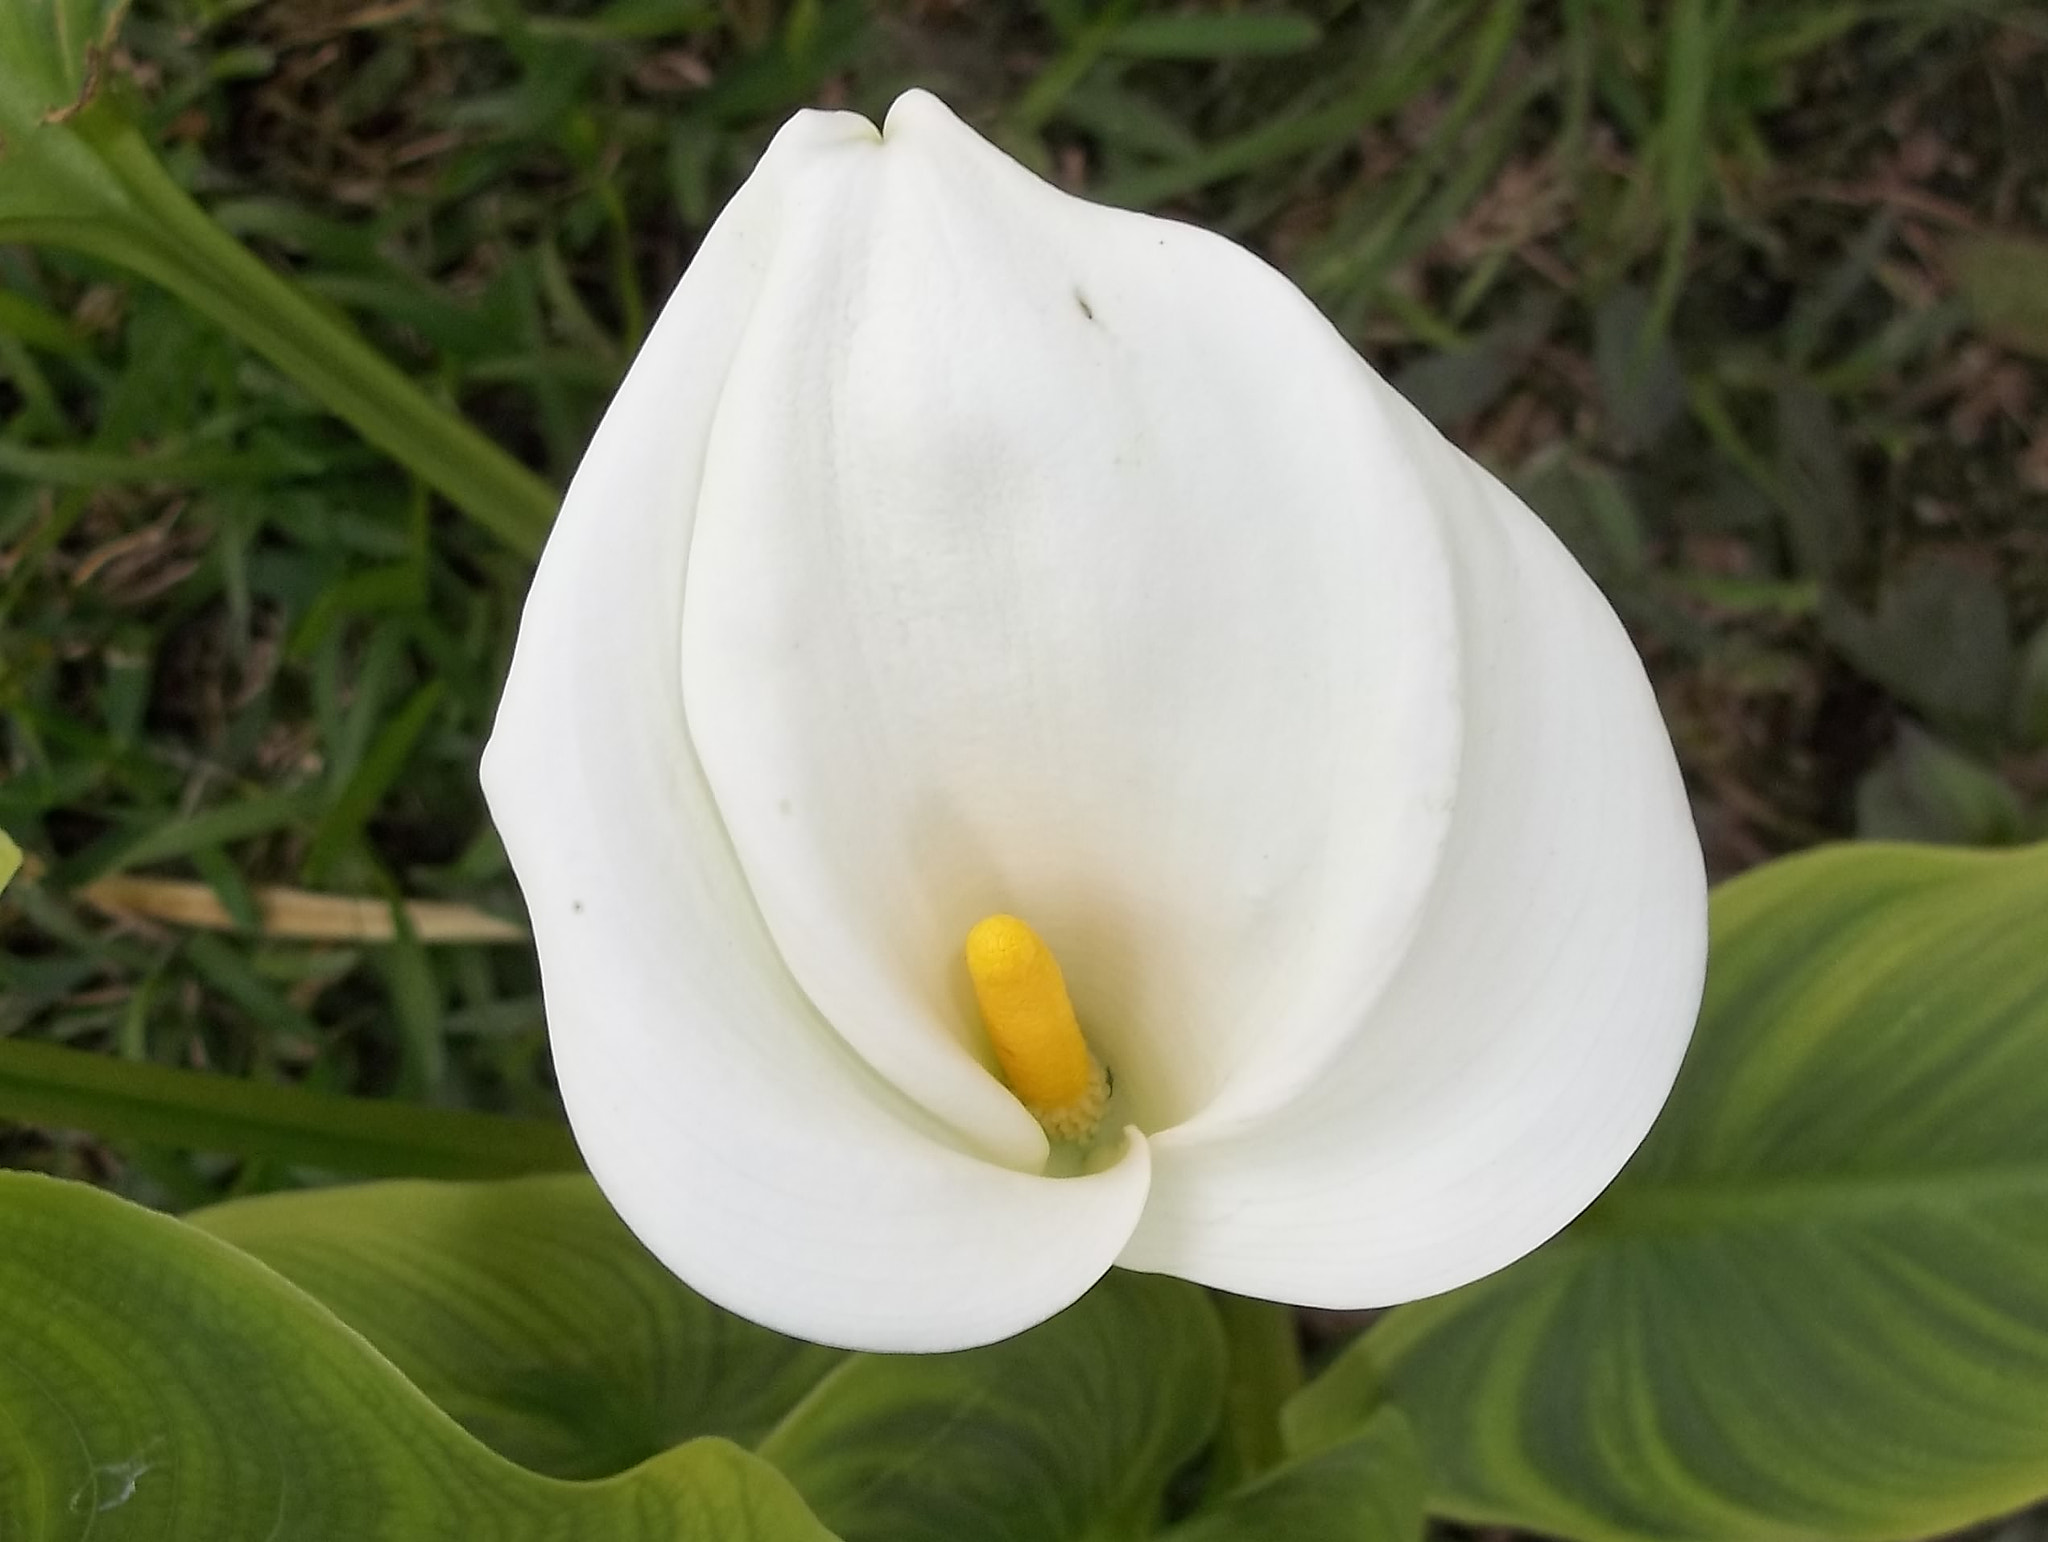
(1262, 1370)
(1940, 639)
(1814, 483)
(1454, 385)
(2004, 281)
(1642, 386)
(1589, 508)
(1816, 1303)
(10, 859)
(529, 1312)
(1069, 1428)
(1925, 790)
(2030, 695)
(1367, 1487)
(158, 1384)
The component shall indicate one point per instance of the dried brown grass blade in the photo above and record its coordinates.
(299, 915)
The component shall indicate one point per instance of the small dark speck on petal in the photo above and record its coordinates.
(576, 906)
(1086, 309)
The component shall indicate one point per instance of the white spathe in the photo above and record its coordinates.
(955, 547)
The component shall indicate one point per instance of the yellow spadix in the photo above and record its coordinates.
(1030, 1021)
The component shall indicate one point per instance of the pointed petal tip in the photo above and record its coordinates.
(918, 111)
(819, 128)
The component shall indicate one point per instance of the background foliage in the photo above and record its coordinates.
(1746, 297)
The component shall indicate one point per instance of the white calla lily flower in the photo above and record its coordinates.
(965, 565)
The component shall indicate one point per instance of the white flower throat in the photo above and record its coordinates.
(1030, 1021)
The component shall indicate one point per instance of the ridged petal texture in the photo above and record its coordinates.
(958, 547)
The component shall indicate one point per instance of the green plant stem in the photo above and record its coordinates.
(165, 237)
(53, 1085)
(1265, 1371)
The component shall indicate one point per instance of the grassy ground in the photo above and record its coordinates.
(1724, 287)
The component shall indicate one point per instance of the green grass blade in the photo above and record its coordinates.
(91, 183)
(55, 1085)
(1233, 36)
(371, 780)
